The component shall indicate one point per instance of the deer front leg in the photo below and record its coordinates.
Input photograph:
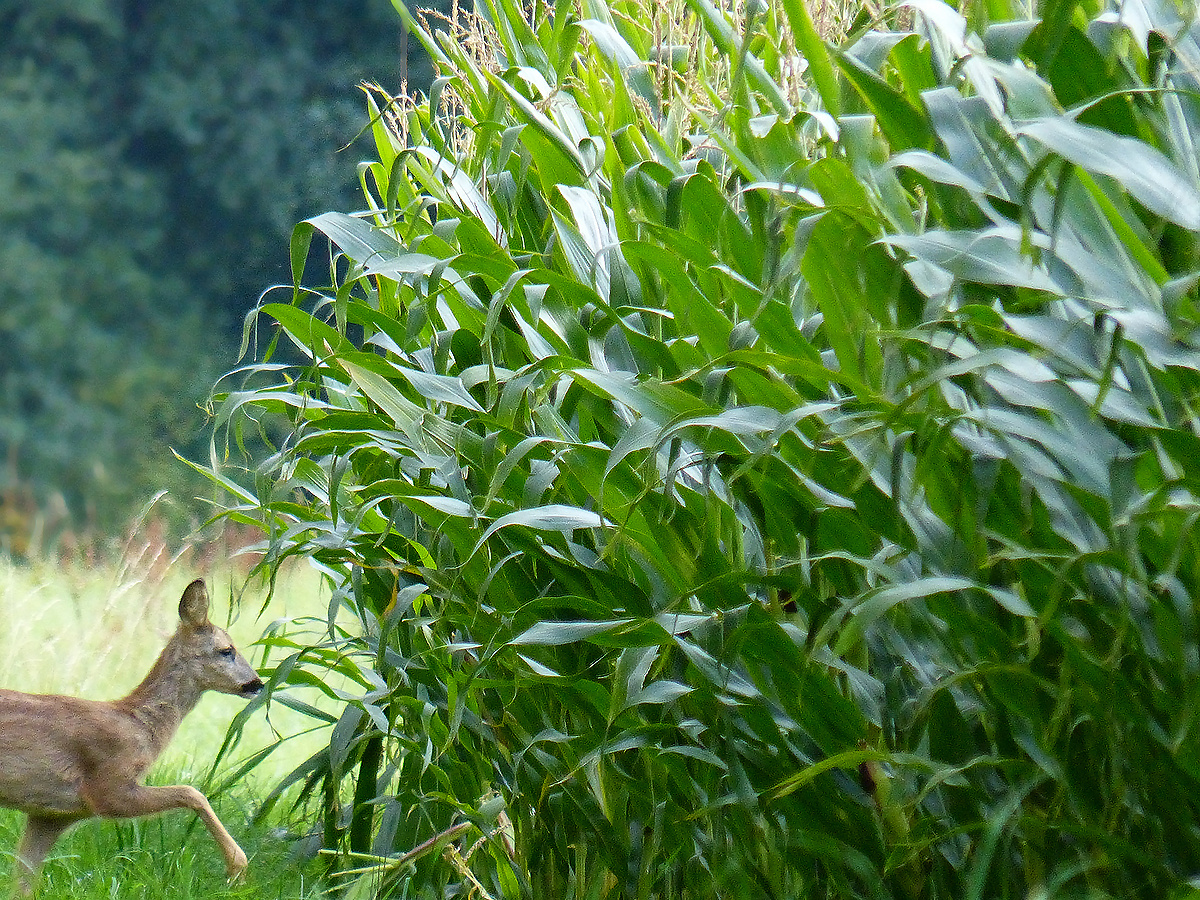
(133, 800)
(40, 834)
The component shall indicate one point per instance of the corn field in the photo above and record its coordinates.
(750, 459)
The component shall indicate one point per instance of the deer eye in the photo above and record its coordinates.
(226, 652)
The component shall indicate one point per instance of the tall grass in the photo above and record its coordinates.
(164, 857)
(738, 484)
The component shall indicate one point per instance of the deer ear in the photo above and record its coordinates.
(193, 607)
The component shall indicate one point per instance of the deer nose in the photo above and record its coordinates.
(251, 688)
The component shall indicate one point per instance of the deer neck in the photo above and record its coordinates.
(165, 696)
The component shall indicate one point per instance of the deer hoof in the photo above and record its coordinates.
(237, 868)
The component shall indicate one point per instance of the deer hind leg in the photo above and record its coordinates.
(40, 834)
(132, 800)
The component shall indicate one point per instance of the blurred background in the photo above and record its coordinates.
(154, 158)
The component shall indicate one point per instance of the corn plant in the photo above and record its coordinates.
(746, 465)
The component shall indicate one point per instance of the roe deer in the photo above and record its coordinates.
(63, 759)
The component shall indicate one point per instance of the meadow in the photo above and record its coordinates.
(94, 631)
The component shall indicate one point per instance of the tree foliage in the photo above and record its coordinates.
(749, 467)
(152, 160)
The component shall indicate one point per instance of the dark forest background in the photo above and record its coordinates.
(153, 159)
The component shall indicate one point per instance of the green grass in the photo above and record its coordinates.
(94, 632)
(166, 856)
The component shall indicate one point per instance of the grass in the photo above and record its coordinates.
(94, 632)
(165, 856)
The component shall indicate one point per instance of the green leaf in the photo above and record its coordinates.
(992, 256)
(659, 692)
(556, 633)
(904, 125)
(555, 156)
(627, 62)
(810, 44)
(1143, 171)
(722, 34)
(439, 388)
(552, 517)
(358, 238)
(308, 331)
(403, 412)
